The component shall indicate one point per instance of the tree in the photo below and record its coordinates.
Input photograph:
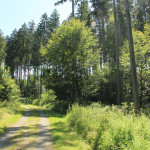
(117, 55)
(141, 47)
(73, 57)
(53, 22)
(140, 14)
(132, 59)
(2, 48)
(84, 13)
(11, 59)
(100, 11)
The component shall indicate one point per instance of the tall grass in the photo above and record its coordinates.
(110, 128)
(10, 112)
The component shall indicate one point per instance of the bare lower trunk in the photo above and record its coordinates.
(117, 56)
(100, 42)
(132, 60)
(103, 39)
(72, 8)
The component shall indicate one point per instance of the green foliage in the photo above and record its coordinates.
(47, 98)
(2, 48)
(84, 13)
(36, 102)
(141, 47)
(109, 128)
(9, 91)
(65, 138)
(73, 54)
(12, 106)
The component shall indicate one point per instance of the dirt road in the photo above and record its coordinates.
(31, 132)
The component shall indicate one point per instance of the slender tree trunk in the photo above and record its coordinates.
(34, 82)
(21, 72)
(103, 39)
(73, 8)
(41, 80)
(24, 77)
(141, 84)
(149, 12)
(100, 42)
(119, 23)
(117, 56)
(132, 60)
(17, 75)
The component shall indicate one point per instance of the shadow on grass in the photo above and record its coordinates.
(62, 135)
(51, 113)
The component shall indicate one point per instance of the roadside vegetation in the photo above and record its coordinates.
(110, 127)
(9, 113)
(64, 137)
(10, 108)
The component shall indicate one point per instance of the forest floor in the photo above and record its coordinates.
(31, 132)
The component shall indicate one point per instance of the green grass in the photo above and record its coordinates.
(65, 138)
(8, 117)
(110, 128)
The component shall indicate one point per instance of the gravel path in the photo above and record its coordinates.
(44, 140)
(31, 132)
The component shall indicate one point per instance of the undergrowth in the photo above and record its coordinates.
(10, 112)
(110, 128)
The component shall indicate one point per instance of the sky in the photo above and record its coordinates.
(13, 13)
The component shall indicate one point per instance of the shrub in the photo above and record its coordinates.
(47, 98)
(36, 102)
(8, 88)
(14, 106)
(109, 128)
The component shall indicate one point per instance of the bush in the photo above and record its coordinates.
(36, 102)
(47, 97)
(12, 106)
(8, 88)
(109, 128)
(60, 106)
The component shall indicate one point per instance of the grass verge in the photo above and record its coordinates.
(65, 138)
(8, 117)
(110, 127)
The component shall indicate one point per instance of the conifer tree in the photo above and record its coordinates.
(132, 59)
(2, 48)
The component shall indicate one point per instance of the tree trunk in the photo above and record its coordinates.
(72, 8)
(100, 42)
(149, 12)
(41, 80)
(17, 75)
(103, 38)
(119, 23)
(132, 60)
(117, 56)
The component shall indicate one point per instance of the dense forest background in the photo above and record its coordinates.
(93, 56)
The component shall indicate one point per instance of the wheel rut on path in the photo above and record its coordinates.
(31, 132)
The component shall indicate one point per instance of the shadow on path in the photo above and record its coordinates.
(26, 136)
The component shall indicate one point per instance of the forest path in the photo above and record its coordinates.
(31, 132)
